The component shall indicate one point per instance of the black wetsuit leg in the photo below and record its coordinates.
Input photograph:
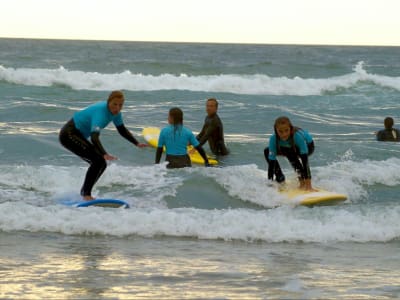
(178, 161)
(294, 160)
(311, 148)
(273, 168)
(72, 139)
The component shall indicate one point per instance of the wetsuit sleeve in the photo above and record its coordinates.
(271, 169)
(379, 135)
(95, 138)
(207, 132)
(124, 132)
(203, 154)
(159, 154)
(305, 172)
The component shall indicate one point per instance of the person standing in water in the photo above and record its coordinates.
(175, 138)
(294, 143)
(212, 130)
(389, 134)
(88, 123)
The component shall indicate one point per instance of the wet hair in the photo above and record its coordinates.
(388, 122)
(176, 115)
(284, 121)
(213, 99)
(115, 94)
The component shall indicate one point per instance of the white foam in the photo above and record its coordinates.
(142, 186)
(256, 84)
(27, 193)
(274, 225)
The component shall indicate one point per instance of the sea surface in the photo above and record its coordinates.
(199, 233)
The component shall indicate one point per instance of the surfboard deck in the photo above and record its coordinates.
(312, 198)
(151, 134)
(109, 203)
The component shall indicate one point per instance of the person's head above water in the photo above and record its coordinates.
(211, 106)
(115, 102)
(175, 116)
(388, 122)
(283, 128)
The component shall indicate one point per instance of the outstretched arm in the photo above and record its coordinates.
(305, 173)
(124, 132)
(205, 133)
(159, 154)
(203, 155)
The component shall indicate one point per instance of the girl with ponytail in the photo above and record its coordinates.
(175, 138)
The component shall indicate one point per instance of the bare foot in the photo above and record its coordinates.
(88, 198)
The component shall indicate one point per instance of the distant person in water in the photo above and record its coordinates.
(294, 143)
(88, 123)
(175, 138)
(212, 130)
(389, 134)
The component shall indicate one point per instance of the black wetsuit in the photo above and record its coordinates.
(388, 135)
(92, 152)
(213, 132)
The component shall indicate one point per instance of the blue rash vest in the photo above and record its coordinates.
(176, 141)
(94, 118)
(301, 139)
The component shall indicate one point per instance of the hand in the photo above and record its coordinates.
(109, 157)
(192, 150)
(140, 145)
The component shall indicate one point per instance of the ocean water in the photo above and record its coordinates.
(215, 233)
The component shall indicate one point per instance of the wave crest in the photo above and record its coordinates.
(256, 84)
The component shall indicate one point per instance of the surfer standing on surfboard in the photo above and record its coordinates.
(294, 143)
(176, 137)
(212, 130)
(88, 123)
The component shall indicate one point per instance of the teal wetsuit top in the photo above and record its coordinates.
(301, 139)
(94, 118)
(176, 140)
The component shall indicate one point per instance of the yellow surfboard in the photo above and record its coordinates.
(312, 198)
(151, 134)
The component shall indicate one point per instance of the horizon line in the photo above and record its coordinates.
(196, 42)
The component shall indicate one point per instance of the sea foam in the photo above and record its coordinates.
(252, 84)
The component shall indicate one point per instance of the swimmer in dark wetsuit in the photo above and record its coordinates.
(212, 130)
(176, 137)
(294, 143)
(88, 123)
(389, 134)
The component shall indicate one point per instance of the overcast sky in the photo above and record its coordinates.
(344, 22)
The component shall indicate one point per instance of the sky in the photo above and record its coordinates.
(327, 22)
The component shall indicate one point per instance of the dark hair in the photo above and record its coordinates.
(213, 99)
(177, 118)
(115, 94)
(281, 121)
(388, 122)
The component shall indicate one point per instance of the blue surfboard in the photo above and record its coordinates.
(112, 203)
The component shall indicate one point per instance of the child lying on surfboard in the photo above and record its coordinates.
(294, 143)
